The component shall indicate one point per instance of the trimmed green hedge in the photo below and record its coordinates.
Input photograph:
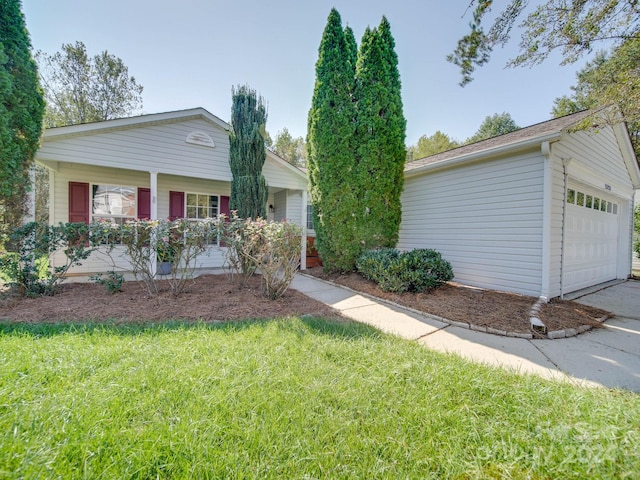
(414, 271)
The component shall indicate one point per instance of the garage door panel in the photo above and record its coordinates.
(591, 242)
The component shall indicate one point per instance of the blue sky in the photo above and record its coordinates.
(190, 53)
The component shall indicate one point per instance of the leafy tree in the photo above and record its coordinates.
(330, 139)
(21, 111)
(81, 89)
(293, 150)
(427, 146)
(494, 125)
(609, 79)
(571, 26)
(380, 136)
(247, 153)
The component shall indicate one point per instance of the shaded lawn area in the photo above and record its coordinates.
(298, 397)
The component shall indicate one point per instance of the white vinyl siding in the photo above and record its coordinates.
(294, 207)
(485, 218)
(159, 148)
(280, 175)
(288, 206)
(280, 206)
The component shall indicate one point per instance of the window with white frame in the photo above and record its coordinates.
(114, 203)
(581, 199)
(201, 206)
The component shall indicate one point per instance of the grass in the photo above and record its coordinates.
(292, 398)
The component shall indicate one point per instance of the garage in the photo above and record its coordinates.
(591, 241)
(542, 211)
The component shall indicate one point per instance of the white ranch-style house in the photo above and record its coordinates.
(542, 211)
(167, 165)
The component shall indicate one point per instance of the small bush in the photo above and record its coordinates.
(414, 271)
(112, 280)
(272, 248)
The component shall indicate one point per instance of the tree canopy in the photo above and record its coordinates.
(21, 111)
(430, 145)
(573, 27)
(293, 150)
(611, 78)
(80, 89)
(492, 126)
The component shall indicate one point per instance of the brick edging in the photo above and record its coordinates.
(553, 335)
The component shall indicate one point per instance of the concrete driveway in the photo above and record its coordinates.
(609, 356)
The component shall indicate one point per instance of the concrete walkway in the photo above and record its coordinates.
(607, 357)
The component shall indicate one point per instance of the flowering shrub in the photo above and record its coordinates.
(148, 241)
(28, 268)
(271, 248)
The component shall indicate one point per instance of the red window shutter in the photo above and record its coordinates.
(78, 202)
(144, 203)
(224, 205)
(176, 205)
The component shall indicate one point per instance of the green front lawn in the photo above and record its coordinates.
(292, 398)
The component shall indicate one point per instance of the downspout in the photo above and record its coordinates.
(547, 203)
(565, 165)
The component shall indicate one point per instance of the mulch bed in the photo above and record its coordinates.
(503, 311)
(208, 298)
(215, 298)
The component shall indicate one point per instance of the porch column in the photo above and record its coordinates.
(303, 255)
(153, 194)
(153, 187)
(30, 216)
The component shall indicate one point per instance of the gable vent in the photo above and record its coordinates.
(200, 138)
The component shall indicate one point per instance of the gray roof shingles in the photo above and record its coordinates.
(532, 132)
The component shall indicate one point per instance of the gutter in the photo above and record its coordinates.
(474, 156)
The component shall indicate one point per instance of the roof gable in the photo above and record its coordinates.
(135, 122)
(522, 138)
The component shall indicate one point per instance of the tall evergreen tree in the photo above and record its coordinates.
(21, 112)
(330, 146)
(247, 153)
(380, 137)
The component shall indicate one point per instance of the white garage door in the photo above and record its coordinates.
(591, 243)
